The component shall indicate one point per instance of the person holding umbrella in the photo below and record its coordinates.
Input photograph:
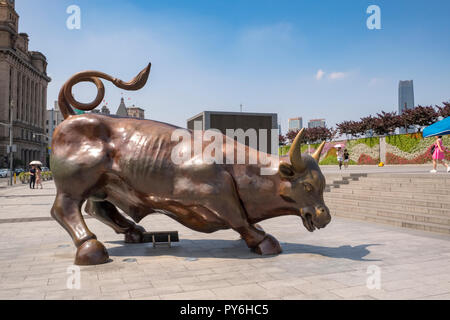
(34, 173)
(32, 176)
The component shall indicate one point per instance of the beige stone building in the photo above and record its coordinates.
(132, 112)
(135, 112)
(23, 84)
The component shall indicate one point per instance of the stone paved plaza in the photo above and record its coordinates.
(333, 263)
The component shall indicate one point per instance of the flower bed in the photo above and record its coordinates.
(366, 159)
(400, 149)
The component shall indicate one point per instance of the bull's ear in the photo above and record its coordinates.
(286, 170)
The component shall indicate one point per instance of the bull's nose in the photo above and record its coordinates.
(323, 215)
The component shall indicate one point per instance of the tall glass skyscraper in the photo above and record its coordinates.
(405, 95)
(405, 98)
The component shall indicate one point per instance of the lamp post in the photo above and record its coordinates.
(10, 147)
(11, 154)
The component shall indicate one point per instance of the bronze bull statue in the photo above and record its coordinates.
(126, 163)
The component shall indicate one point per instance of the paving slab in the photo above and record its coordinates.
(36, 260)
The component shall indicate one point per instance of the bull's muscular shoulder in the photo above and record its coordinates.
(82, 127)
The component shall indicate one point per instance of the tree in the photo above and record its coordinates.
(349, 128)
(357, 128)
(291, 135)
(343, 128)
(406, 119)
(319, 134)
(444, 111)
(419, 116)
(367, 124)
(282, 140)
(386, 123)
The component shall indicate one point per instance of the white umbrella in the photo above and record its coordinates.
(338, 146)
(36, 162)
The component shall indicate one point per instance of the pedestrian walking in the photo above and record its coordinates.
(340, 157)
(346, 158)
(32, 176)
(439, 154)
(39, 177)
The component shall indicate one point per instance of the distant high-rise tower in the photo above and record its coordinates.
(405, 99)
(317, 123)
(295, 124)
(405, 95)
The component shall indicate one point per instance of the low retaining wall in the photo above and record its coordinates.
(396, 149)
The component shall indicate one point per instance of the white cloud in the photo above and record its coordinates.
(337, 75)
(320, 74)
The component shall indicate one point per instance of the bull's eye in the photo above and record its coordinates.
(308, 187)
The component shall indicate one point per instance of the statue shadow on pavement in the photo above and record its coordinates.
(204, 248)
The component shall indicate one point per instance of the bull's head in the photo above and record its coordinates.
(303, 184)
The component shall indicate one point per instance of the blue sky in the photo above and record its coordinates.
(315, 59)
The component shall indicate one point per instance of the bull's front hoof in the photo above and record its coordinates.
(91, 252)
(135, 235)
(269, 246)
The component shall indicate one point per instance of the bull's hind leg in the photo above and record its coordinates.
(67, 211)
(108, 214)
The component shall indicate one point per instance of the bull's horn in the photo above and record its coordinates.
(319, 150)
(295, 153)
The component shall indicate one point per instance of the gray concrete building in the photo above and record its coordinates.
(23, 85)
(238, 120)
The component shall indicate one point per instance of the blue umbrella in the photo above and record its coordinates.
(440, 128)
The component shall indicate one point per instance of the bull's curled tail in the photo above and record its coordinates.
(66, 100)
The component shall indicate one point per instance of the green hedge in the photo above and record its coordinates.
(284, 150)
(370, 142)
(414, 142)
(332, 160)
(24, 177)
(406, 143)
(329, 160)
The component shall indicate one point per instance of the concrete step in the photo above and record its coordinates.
(334, 194)
(383, 194)
(407, 207)
(423, 184)
(434, 185)
(405, 188)
(402, 215)
(440, 179)
(431, 227)
(336, 180)
(417, 201)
